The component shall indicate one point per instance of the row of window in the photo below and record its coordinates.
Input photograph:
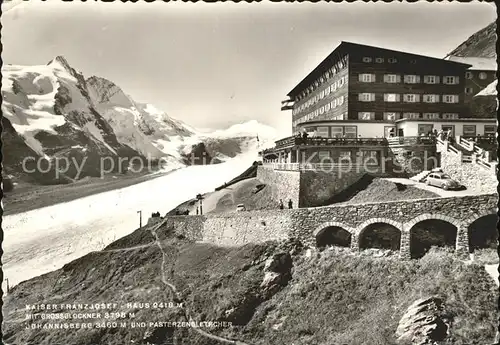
(409, 79)
(388, 116)
(331, 105)
(470, 75)
(312, 116)
(324, 93)
(334, 70)
(410, 98)
(467, 130)
(380, 60)
(392, 116)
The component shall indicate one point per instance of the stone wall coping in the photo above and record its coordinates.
(257, 213)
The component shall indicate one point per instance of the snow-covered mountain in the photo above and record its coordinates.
(52, 111)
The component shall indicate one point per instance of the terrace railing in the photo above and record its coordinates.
(411, 141)
(328, 167)
(320, 141)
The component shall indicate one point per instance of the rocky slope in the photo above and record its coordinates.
(260, 294)
(480, 44)
(52, 113)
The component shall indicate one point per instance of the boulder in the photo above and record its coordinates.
(424, 322)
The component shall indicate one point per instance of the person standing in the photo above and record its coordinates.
(290, 203)
(281, 204)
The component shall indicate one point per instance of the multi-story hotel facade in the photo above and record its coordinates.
(360, 95)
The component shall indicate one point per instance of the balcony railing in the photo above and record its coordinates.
(319, 141)
(328, 167)
(411, 141)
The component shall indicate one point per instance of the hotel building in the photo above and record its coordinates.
(360, 95)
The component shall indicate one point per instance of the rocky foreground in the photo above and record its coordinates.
(266, 294)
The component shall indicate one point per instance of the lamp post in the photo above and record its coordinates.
(140, 218)
(199, 197)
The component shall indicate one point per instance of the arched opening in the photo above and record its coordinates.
(483, 233)
(333, 236)
(380, 236)
(429, 233)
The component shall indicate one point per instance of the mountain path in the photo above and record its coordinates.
(178, 298)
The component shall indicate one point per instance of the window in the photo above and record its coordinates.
(425, 129)
(432, 116)
(483, 75)
(392, 60)
(333, 104)
(411, 115)
(431, 98)
(340, 100)
(450, 98)
(468, 75)
(327, 91)
(366, 97)
(450, 116)
(379, 60)
(413, 61)
(391, 116)
(469, 130)
(411, 98)
(321, 110)
(322, 132)
(392, 78)
(412, 79)
(366, 116)
(327, 106)
(345, 155)
(323, 154)
(337, 131)
(367, 78)
(431, 79)
(367, 59)
(490, 130)
(340, 117)
(322, 94)
(450, 80)
(469, 90)
(391, 97)
(350, 131)
(340, 82)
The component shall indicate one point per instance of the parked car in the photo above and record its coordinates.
(439, 179)
(240, 208)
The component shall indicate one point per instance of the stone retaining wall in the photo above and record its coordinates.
(238, 228)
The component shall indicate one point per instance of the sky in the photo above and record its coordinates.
(214, 65)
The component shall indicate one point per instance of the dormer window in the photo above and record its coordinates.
(392, 60)
(379, 60)
(367, 59)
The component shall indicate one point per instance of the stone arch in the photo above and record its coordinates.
(432, 216)
(478, 215)
(339, 235)
(444, 232)
(481, 229)
(389, 238)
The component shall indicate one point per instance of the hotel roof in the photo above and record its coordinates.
(346, 47)
(478, 63)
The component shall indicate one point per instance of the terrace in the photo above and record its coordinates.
(290, 142)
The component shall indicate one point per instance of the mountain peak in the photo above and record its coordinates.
(480, 44)
(61, 60)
